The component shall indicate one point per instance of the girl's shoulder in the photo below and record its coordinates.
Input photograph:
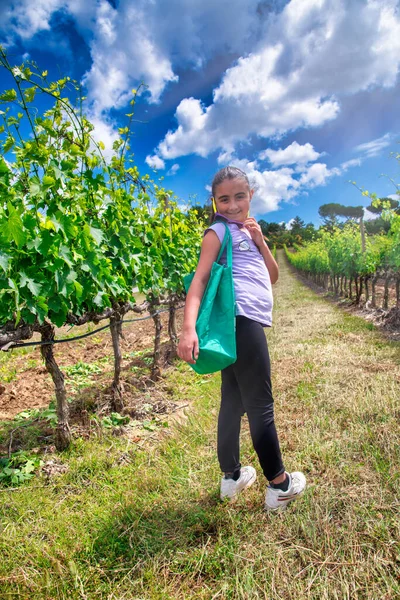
(219, 229)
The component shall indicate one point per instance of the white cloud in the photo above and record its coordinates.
(191, 131)
(124, 53)
(138, 41)
(317, 174)
(225, 158)
(24, 18)
(270, 187)
(289, 224)
(348, 164)
(368, 150)
(293, 154)
(104, 131)
(375, 147)
(155, 162)
(174, 169)
(313, 52)
(282, 185)
(369, 216)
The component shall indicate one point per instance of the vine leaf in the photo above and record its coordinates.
(13, 228)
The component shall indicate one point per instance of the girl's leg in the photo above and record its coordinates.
(253, 375)
(230, 414)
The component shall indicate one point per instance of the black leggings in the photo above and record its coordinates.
(246, 387)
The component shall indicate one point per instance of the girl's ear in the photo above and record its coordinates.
(251, 194)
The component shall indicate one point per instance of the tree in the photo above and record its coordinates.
(297, 225)
(378, 225)
(329, 214)
(385, 203)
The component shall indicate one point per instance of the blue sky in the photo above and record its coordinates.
(303, 95)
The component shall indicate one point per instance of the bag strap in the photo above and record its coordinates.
(226, 242)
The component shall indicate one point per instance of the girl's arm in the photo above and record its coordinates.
(258, 238)
(188, 348)
(270, 262)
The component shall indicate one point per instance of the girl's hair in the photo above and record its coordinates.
(228, 173)
(225, 173)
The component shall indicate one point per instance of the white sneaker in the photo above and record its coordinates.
(230, 489)
(278, 500)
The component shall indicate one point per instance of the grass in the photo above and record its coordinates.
(130, 522)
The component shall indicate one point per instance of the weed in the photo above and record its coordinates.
(81, 374)
(115, 420)
(18, 468)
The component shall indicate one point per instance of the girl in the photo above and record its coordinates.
(246, 384)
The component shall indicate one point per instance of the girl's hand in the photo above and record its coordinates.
(255, 231)
(188, 347)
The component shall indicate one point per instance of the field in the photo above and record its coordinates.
(136, 516)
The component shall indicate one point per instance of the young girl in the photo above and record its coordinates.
(246, 384)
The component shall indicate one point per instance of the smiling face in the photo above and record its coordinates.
(232, 197)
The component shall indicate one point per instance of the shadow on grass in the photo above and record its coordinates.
(168, 537)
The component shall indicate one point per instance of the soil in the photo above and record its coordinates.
(32, 387)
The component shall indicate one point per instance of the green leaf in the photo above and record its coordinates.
(79, 289)
(98, 299)
(34, 186)
(149, 425)
(27, 73)
(60, 317)
(54, 303)
(48, 181)
(61, 283)
(3, 166)
(30, 94)
(68, 226)
(41, 308)
(96, 234)
(13, 229)
(4, 261)
(8, 96)
(32, 285)
(74, 150)
(72, 276)
(9, 143)
(65, 254)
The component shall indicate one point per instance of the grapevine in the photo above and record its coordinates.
(78, 232)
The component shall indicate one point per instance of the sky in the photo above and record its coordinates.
(303, 95)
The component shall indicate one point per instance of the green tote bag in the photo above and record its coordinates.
(216, 323)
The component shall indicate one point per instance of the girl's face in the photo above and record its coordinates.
(232, 198)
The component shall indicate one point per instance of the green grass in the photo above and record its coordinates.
(133, 522)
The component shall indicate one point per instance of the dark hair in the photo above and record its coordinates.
(226, 173)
